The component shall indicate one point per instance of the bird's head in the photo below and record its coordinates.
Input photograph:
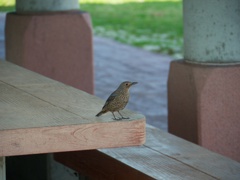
(126, 84)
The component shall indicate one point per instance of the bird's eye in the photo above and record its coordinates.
(126, 84)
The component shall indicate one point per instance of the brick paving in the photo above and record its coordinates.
(115, 62)
(2, 46)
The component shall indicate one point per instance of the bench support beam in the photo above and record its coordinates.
(203, 97)
(97, 165)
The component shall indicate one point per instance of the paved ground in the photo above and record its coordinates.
(115, 62)
(2, 47)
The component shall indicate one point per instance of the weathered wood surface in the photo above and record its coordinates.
(163, 156)
(40, 115)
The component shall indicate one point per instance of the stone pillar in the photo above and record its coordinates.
(53, 38)
(204, 87)
(2, 168)
(211, 31)
(46, 5)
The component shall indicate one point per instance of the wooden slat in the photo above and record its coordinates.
(128, 163)
(163, 156)
(57, 94)
(19, 109)
(40, 115)
(195, 156)
(96, 165)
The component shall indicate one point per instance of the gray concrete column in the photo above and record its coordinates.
(46, 5)
(2, 168)
(203, 95)
(212, 31)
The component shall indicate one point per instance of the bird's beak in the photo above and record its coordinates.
(133, 83)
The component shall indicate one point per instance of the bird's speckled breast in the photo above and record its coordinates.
(119, 102)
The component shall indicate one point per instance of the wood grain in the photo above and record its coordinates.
(40, 115)
(163, 156)
(88, 162)
(191, 154)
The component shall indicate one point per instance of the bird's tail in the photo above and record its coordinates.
(100, 113)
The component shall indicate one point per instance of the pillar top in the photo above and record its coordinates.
(23, 6)
(211, 31)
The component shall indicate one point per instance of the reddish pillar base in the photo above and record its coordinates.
(57, 45)
(203, 105)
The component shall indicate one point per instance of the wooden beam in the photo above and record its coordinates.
(40, 115)
(163, 156)
(191, 154)
(97, 165)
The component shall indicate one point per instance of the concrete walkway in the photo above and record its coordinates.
(116, 62)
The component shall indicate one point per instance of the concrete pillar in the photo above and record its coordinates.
(2, 168)
(52, 38)
(212, 31)
(23, 6)
(204, 87)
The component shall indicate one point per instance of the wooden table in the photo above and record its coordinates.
(40, 115)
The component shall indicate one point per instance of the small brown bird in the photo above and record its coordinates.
(117, 100)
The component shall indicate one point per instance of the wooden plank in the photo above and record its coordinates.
(96, 165)
(163, 156)
(191, 154)
(2, 168)
(40, 115)
(70, 138)
(138, 163)
(155, 164)
(57, 94)
(19, 109)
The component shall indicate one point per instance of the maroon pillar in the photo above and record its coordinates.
(55, 44)
(204, 105)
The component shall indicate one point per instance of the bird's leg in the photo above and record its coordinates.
(114, 116)
(122, 116)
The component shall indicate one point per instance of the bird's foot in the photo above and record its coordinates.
(117, 119)
(121, 118)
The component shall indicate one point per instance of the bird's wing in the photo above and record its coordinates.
(110, 98)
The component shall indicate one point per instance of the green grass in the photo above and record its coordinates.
(152, 25)
(7, 5)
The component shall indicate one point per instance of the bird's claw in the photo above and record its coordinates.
(117, 119)
(120, 118)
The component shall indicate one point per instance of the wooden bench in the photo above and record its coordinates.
(163, 156)
(40, 115)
